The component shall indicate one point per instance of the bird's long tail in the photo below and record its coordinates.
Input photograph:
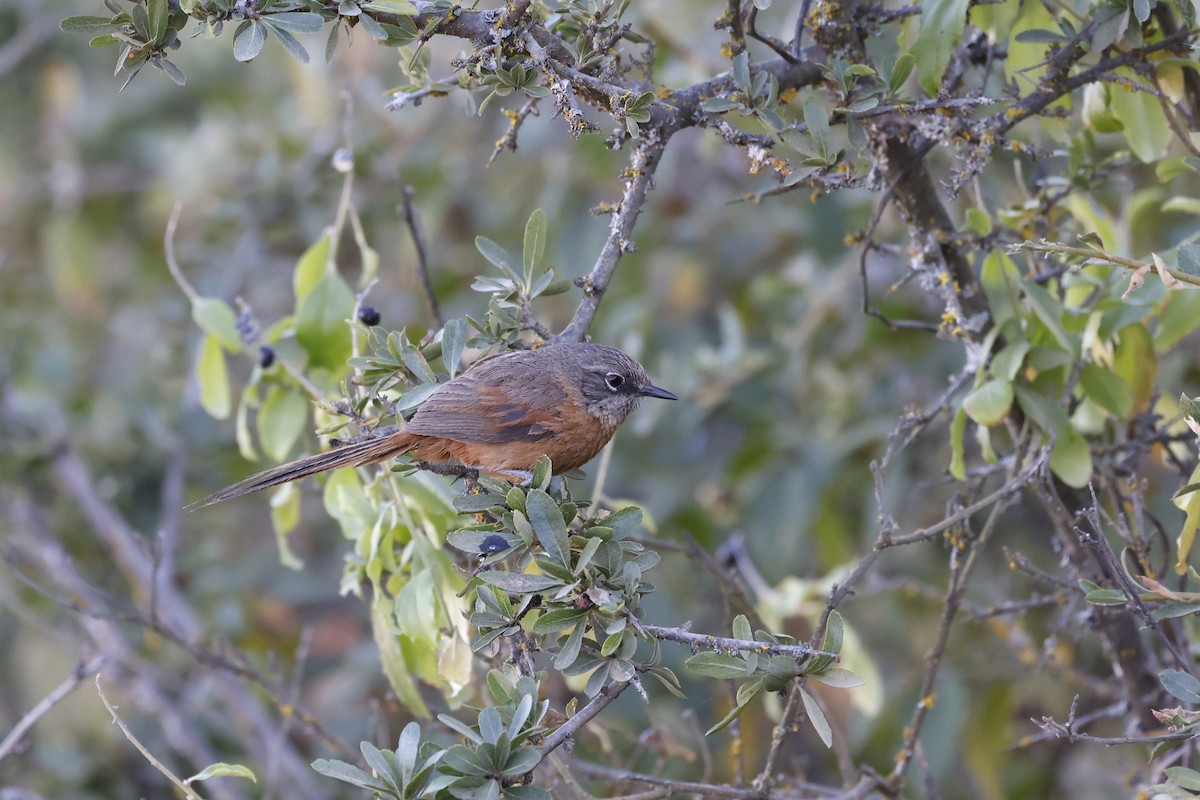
(350, 455)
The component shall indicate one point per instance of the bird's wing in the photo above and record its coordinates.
(502, 400)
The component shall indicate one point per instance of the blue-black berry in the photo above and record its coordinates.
(369, 315)
(266, 356)
(493, 544)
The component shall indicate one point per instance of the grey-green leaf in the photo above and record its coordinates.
(548, 525)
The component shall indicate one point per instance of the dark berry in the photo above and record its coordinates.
(493, 544)
(266, 356)
(369, 315)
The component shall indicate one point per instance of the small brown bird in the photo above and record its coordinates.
(565, 401)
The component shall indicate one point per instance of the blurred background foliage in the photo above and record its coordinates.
(750, 311)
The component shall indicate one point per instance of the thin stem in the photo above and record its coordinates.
(154, 762)
(172, 263)
(1100, 256)
(418, 236)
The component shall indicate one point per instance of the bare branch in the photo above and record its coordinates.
(85, 669)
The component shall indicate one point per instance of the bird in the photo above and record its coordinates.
(498, 417)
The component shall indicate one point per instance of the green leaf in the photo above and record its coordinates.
(978, 221)
(401, 7)
(1135, 360)
(1000, 279)
(281, 421)
(834, 633)
(942, 23)
(1071, 459)
(519, 582)
(718, 105)
(248, 40)
(558, 620)
(285, 515)
(396, 665)
(1105, 388)
(900, 72)
(499, 257)
(1050, 311)
(1175, 611)
(1170, 168)
(416, 395)
(373, 28)
(311, 267)
(817, 120)
(839, 678)
(1039, 36)
(547, 521)
(570, 649)
(297, 21)
(213, 378)
(741, 628)
(1048, 415)
(157, 13)
(989, 404)
(1007, 363)
(817, 717)
(711, 664)
(746, 693)
(321, 323)
(454, 341)
(347, 773)
(1106, 597)
(92, 26)
(1146, 129)
(741, 71)
(241, 425)
(215, 317)
(289, 42)
(1183, 777)
(958, 429)
(1183, 205)
(535, 243)
(222, 770)
(1181, 685)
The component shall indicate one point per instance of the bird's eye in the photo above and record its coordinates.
(614, 381)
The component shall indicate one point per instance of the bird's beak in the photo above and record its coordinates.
(650, 390)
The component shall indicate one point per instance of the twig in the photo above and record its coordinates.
(618, 776)
(418, 236)
(583, 716)
(401, 99)
(169, 250)
(154, 762)
(1101, 257)
(639, 178)
(85, 669)
(1010, 488)
(961, 564)
(515, 118)
(725, 644)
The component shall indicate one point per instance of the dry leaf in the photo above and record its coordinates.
(1164, 272)
(1136, 279)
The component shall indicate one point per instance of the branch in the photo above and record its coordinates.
(638, 179)
(85, 669)
(704, 640)
(418, 236)
(797, 789)
(154, 762)
(583, 717)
